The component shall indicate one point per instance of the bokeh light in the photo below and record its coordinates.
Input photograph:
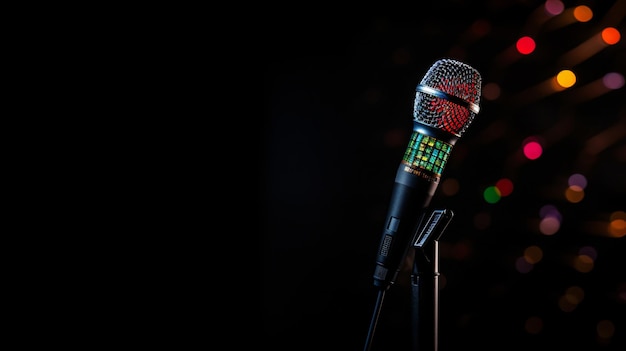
(550, 222)
(583, 13)
(574, 194)
(533, 254)
(549, 225)
(574, 295)
(617, 228)
(523, 266)
(611, 35)
(566, 78)
(588, 251)
(583, 263)
(550, 211)
(532, 148)
(491, 91)
(613, 80)
(525, 45)
(578, 180)
(491, 194)
(450, 186)
(504, 186)
(554, 7)
(605, 329)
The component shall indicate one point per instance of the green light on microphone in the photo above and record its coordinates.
(426, 155)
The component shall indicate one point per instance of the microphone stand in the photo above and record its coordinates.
(425, 281)
(424, 285)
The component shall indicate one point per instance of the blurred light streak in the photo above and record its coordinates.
(584, 50)
(614, 15)
(533, 25)
(568, 17)
(606, 138)
(477, 30)
(600, 142)
(566, 78)
(614, 227)
(538, 91)
(617, 228)
(613, 80)
(541, 15)
(594, 89)
(602, 228)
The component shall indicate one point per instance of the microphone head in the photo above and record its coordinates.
(448, 96)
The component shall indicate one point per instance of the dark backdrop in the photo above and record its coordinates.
(339, 87)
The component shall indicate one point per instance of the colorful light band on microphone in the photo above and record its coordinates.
(426, 156)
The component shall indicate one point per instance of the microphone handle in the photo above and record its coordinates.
(410, 196)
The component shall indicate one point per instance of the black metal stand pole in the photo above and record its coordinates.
(425, 282)
(422, 304)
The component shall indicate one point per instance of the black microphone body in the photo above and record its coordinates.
(445, 104)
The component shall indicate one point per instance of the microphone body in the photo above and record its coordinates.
(445, 104)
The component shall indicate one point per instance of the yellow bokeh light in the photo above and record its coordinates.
(566, 78)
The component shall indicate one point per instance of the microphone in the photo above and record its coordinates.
(446, 102)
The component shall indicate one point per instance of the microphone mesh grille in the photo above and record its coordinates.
(453, 78)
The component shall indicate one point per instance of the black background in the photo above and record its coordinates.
(339, 87)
